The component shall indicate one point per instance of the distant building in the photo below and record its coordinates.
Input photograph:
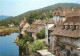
(11, 25)
(61, 14)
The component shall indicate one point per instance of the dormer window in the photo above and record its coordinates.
(68, 27)
(74, 27)
(63, 26)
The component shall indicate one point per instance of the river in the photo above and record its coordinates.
(7, 46)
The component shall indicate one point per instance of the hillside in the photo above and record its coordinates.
(41, 13)
(62, 5)
(3, 17)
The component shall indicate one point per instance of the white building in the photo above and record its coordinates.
(49, 24)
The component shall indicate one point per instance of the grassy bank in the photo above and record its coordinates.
(31, 47)
(7, 30)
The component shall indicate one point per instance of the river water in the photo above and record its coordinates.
(7, 46)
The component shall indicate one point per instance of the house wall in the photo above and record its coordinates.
(56, 18)
(65, 39)
(63, 18)
(46, 31)
(34, 35)
(70, 40)
(25, 27)
(76, 51)
(52, 43)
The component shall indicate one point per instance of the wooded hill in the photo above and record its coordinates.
(42, 13)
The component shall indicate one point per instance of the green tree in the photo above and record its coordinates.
(41, 34)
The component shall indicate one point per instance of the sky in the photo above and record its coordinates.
(17, 7)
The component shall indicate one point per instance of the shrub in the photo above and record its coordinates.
(36, 45)
(26, 37)
(41, 34)
(21, 42)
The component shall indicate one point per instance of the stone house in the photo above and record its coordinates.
(33, 30)
(36, 27)
(23, 25)
(65, 38)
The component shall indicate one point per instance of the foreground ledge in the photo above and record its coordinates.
(45, 53)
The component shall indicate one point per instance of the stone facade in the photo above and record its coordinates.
(23, 25)
(65, 40)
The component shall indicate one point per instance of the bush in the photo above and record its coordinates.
(41, 34)
(26, 37)
(21, 42)
(36, 45)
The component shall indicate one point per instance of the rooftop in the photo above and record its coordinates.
(58, 30)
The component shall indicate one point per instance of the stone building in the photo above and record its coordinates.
(23, 25)
(37, 26)
(65, 38)
(61, 14)
(33, 30)
(49, 24)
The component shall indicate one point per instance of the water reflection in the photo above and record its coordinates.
(22, 51)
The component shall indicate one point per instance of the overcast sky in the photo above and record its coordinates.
(17, 7)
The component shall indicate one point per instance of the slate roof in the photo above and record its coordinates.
(50, 21)
(73, 20)
(58, 30)
(68, 33)
(34, 28)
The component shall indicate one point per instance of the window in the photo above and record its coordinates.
(68, 27)
(74, 27)
(63, 26)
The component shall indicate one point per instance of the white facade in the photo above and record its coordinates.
(57, 18)
(46, 31)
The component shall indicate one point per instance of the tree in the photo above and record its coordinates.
(41, 34)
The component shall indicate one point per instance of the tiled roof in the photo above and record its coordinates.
(68, 33)
(58, 30)
(50, 21)
(73, 20)
(34, 28)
